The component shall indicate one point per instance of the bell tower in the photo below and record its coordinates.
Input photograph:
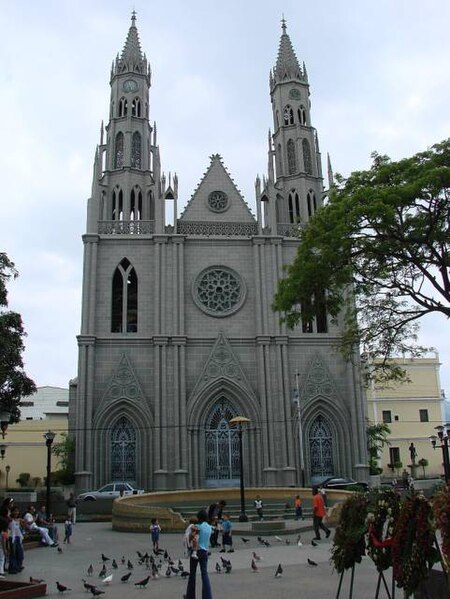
(293, 189)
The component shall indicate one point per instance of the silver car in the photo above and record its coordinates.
(110, 491)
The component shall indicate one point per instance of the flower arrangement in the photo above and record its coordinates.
(413, 550)
(381, 522)
(349, 545)
(441, 509)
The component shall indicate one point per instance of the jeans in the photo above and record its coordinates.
(317, 524)
(206, 585)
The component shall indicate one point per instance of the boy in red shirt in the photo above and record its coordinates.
(319, 512)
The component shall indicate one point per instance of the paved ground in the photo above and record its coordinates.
(298, 579)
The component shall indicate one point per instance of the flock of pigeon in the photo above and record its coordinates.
(159, 563)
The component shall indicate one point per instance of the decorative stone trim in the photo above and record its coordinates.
(214, 228)
(219, 291)
(126, 227)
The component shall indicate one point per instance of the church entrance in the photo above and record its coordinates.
(123, 451)
(221, 447)
(321, 448)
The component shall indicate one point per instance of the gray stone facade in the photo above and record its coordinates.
(177, 333)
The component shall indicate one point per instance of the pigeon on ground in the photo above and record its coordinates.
(139, 554)
(123, 559)
(254, 566)
(256, 557)
(36, 580)
(108, 579)
(90, 570)
(62, 588)
(168, 571)
(104, 558)
(174, 570)
(114, 564)
(218, 568)
(97, 592)
(278, 571)
(225, 562)
(287, 541)
(313, 543)
(142, 583)
(155, 571)
(102, 572)
(244, 540)
(228, 569)
(299, 540)
(166, 555)
(59, 549)
(279, 539)
(129, 565)
(88, 586)
(185, 574)
(311, 562)
(126, 577)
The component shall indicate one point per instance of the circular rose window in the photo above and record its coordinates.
(218, 201)
(219, 291)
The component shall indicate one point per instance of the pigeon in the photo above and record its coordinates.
(225, 562)
(168, 571)
(104, 558)
(174, 570)
(126, 577)
(244, 540)
(228, 569)
(87, 585)
(299, 540)
(287, 541)
(278, 571)
(90, 570)
(139, 554)
(218, 568)
(36, 580)
(155, 571)
(97, 592)
(254, 566)
(185, 574)
(256, 557)
(123, 559)
(279, 539)
(129, 565)
(108, 579)
(62, 588)
(142, 583)
(313, 543)
(166, 555)
(114, 564)
(59, 549)
(311, 562)
(102, 572)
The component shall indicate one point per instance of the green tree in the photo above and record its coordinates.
(380, 249)
(377, 438)
(65, 451)
(14, 383)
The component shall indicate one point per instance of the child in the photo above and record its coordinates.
(227, 539)
(155, 529)
(15, 543)
(259, 507)
(68, 529)
(3, 550)
(191, 538)
(298, 508)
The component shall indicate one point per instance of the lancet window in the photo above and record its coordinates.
(307, 156)
(311, 203)
(136, 204)
(294, 206)
(119, 151)
(117, 204)
(136, 107)
(136, 150)
(301, 112)
(288, 115)
(124, 317)
(291, 157)
(123, 107)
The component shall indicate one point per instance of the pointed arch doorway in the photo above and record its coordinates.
(123, 451)
(321, 448)
(221, 446)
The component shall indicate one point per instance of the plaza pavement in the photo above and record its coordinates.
(299, 580)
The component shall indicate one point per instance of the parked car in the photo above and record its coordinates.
(111, 490)
(342, 483)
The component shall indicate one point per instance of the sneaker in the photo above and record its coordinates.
(194, 555)
(222, 551)
(317, 538)
(2, 576)
(231, 551)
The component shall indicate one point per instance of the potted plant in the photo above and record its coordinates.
(398, 466)
(423, 463)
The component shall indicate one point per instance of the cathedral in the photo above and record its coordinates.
(177, 333)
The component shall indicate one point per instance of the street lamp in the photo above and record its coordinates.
(240, 420)
(444, 445)
(7, 468)
(5, 417)
(300, 429)
(48, 436)
(2, 451)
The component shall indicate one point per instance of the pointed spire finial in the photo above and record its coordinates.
(133, 18)
(283, 23)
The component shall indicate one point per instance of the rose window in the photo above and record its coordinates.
(219, 291)
(218, 201)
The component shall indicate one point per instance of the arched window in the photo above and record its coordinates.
(151, 206)
(321, 312)
(124, 317)
(123, 107)
(136, 204)
(291, 157)
(221, 444)
(117, 204)
(301, 112)
(118, 151)
(279, 161)
(288, 115)
(136, 150)
(136, 107)
(307, 156)
(311, 202)
(123, 451)
(321, 447)
(294, 207)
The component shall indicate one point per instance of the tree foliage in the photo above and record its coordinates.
(14, 383)
(380, 249)
(377, 438)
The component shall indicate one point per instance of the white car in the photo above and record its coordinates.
(112, 490)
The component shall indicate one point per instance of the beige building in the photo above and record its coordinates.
(412, 410)
(24, 444)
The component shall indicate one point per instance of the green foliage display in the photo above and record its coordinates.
(14, 383)
(349, 545)
(377, 438)
(24, 479)
(65, 452)
(423, 463)
(384, 236)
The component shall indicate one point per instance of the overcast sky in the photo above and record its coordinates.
(379, 77)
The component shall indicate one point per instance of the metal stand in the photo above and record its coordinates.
(382, 578)
(350, 595)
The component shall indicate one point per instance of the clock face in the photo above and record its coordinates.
(294, 94)
(130, 85)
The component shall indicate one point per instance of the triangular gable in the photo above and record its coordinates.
(318, 381)
(222, 363)
(123, 384)
(217, 179)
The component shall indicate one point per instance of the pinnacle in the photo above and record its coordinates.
(287, 66)
(132, 58)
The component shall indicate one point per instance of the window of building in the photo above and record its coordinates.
(288, 115)
(294, 207)
(136, 107)
(117, 204)
(118, 151)
(136, 150)
(291, 156)
(302, 115)
(423, 415)
(124, 305)
(394, 455)
(387, 416)
(311, 203)
(396, 418)
(307, 156)
(123, 107)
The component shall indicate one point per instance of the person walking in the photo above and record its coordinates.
(155, 530)
(72, 508)
(227, 539)
(319, 512)
(204, 535)
(68, 529)
(15, 562)
(259, 507)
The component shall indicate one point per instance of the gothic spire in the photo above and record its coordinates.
(287, 66)
(132, 58)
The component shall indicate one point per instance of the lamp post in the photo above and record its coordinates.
(5, 417)
(7, 468)
(300, 429)
(48, 436)
(444, 445)
(240, 420)
(2, 451)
